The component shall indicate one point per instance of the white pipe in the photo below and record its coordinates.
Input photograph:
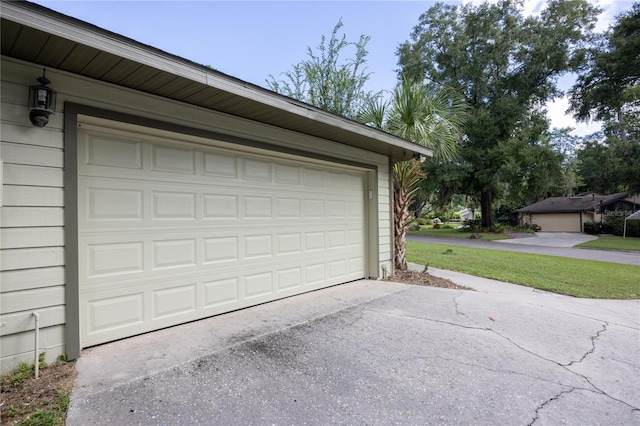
(37, 344)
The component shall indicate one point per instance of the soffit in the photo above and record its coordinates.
(39, 35)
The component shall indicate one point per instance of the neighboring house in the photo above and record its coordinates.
(162, 191)
(466, 214)
(569, 214)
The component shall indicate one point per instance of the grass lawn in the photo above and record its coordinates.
(574, 277)
(613, 243)
(456, 233)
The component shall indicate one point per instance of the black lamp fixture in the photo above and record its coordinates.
(42, 102)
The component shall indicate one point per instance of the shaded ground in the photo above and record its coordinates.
(37, 401)
(23, 398)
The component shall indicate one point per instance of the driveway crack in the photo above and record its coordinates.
(536, 415)
(593, 346)
(455, 304)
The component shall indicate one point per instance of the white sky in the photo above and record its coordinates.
(251, 39)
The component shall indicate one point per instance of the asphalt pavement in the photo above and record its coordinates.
(549, 243)
(378, 353)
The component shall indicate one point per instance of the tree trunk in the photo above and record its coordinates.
(485, 208)
(400, 219)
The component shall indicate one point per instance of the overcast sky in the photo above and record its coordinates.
(251, 39)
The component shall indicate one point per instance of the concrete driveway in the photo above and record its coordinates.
(551, 239)
(378, 353)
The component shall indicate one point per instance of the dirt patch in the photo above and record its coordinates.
(37, 401)
(423, 278)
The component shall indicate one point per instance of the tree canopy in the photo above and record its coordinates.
(428, 115)
(507, 67)
(328, 80)
(609, 89)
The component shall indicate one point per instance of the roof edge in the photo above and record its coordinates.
(45, 19)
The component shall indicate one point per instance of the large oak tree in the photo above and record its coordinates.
(507, 66)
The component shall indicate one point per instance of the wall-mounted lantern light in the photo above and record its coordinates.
(42, 102)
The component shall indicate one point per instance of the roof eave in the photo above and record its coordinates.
(82, 33)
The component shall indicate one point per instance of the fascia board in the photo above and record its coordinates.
(95, 37)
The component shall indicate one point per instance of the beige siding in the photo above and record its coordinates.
(31, 233)
(31, 217)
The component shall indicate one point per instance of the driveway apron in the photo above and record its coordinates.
(378, 353)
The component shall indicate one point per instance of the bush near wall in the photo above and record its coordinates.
(597, 228)
(617, 226)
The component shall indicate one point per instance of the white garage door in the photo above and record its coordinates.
(171, 231)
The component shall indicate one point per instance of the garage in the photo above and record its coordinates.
(173, 228)
(154, 190)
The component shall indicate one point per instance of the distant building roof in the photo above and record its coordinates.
(588, 201)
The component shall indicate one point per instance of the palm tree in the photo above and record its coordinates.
(430, 116)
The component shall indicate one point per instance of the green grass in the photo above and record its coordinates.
(573, 277)
(456, 233)
(613, 243)
(44, 401)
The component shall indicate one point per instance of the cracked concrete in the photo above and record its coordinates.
(378, 353)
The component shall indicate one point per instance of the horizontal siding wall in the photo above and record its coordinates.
(31, 232)
(32, 212)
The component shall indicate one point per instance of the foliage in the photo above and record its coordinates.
(326, 80)
(448, 231)
(506, 215)
(425, 114)
(616, 226)
(607, 90)
(597, 228)
(433, 117)
(574, 277)
(608, 164)
(506, 66)
(31, 401)
(424, 221)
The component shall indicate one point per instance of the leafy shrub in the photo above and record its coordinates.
(506, 215)
(497, 229)
(436, 226)
(447, 226)
(616, 227)
(424, 221)
(591, 228)
(596, 228)
(415, 226)
(471, 225)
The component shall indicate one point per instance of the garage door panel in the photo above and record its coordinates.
(114, 312)
(173, 205)
(173, 301)
(287, 174)
(110, 150)
(106, 259)
(173, 159)
(220, 165)
(183, 231)
(219, 292)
